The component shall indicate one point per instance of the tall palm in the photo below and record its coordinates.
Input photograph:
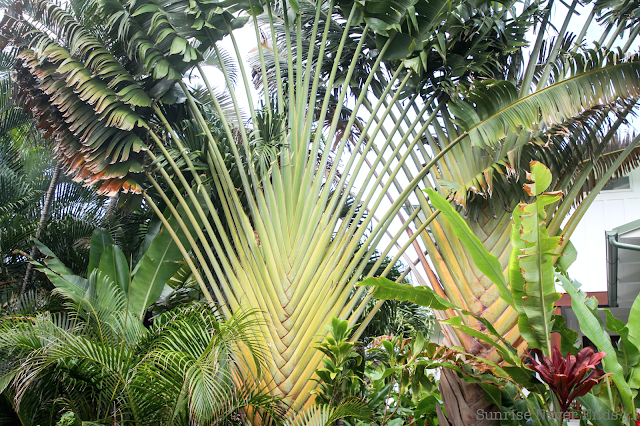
(279, 241)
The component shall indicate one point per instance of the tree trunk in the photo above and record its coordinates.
(44, 217)
(464, 403)
(111, 208)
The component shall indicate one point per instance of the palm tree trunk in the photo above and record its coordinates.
(44, 217)
(111, 208)
(464, 403)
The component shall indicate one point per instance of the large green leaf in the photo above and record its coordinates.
(486, 262)
(160, 262)
(100, 240)
(599, 414)
(423, 296)
(592, 327)
(634, 321)
(548, 106)
(627, 351)
(506, 354)
(113, 264)
(568, 256)
(531, 273)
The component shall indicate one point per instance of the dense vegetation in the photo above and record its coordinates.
(177, 242)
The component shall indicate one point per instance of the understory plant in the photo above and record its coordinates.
(101, 359)
(395, 376)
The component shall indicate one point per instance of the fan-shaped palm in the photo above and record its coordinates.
(285, 245)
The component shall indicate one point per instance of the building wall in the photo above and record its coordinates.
(610, 210)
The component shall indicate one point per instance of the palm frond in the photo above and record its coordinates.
(502, 110)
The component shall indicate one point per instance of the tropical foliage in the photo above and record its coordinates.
(96, 359)
(362, 103)
(531, 291)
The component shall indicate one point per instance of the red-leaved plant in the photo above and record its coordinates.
(568, 378)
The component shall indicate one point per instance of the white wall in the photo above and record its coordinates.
(610, 209)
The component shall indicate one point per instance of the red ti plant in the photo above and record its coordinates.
(568, 378)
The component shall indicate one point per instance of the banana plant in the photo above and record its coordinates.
(276, 237)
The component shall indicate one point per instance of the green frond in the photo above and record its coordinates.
(325, 415)
(493, 107)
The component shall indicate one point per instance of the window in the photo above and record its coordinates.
(618, 184)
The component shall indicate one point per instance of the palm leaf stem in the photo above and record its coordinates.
(631, 39)
(312, 304)
(584, 29)
(456, 170)
(605, 33)
(420, 175)
(201, 259)
(615, 35)
(396, 206)
(203, 216)
(232, 215)
(407, 204)
(344, 232)
(410, 131)
(320, 205)
(196, 204)
(324, 194)
(418, 193)
(358, 269)
(397, 245)
(243, 133)
(335, 311)
(299, 66)
(290, 87)
(243, 73)
(186, 255)
(385, 252)
(556, 46)
(246, 270)
(270, 260)
(450, 264)
(535, 53)
(378, 160)
(278, 76)
(308, 173)
(410, 241)
(414, 106)
(304, 90)
(355, 313)
(263, 68)
(414, 157)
